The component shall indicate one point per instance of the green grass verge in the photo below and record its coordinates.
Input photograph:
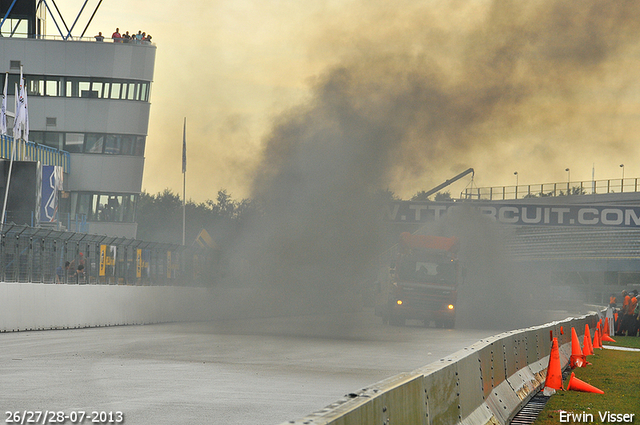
(615, 372)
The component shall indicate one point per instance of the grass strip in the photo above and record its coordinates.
(617, 373)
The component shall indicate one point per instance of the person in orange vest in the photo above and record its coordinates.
(632, 326)
(628, 319)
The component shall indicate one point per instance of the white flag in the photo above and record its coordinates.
(3, 112)
(19, 121)
(25, 118)
(16, 119)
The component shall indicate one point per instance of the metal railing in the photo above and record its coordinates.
(91, 39)
(41, 255)
(29, 151)
(591, 187)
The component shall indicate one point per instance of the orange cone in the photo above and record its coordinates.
(596, 339)
(606, 327)
(608, 338)
(587, 347)
(577, 359)
(554, 371)
(577, 385)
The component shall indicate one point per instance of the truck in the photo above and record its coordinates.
(424, 279)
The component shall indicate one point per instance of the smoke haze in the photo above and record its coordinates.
(501, 86)
(311, 107)
(409, 98)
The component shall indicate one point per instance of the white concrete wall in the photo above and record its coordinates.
(32, 306)
(484, 384)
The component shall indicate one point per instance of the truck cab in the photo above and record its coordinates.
(424, 281)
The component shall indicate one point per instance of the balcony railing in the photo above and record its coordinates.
(591, 187)
(29, 151)
(92, 39)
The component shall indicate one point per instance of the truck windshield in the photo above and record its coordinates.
(421, 270)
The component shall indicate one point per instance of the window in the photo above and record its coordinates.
(74, 142)
(127, 144)
(54, 140)
(106, 207)
(97, 87)
(99, 143)
(113, 144)
(13, 80)
(37, 137)
(83, 204)
(85, 87)
(52, 87)
(139, 149)
(95, 143)
(115, 90)
(35, 86)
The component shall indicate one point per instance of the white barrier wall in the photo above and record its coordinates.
(486, 383)
(31, 306)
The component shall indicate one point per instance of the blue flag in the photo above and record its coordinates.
(184, 147)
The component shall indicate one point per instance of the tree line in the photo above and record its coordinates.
(159, 216)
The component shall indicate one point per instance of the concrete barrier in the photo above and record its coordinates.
(34, 306)
(486, 383)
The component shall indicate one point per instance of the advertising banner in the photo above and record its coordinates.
(51, 185)
(107, 260)
(519, 214)
(103, 260)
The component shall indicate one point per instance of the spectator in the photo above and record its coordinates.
(621, 313)
(62, 273)
(99, 37)
(139, 37)
(126, 37)
(148, 39)
(117, 38)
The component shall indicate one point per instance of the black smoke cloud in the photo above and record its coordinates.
(408, 98)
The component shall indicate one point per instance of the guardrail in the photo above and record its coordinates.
(486, 383)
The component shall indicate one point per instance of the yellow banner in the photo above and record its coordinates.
(139, 263)
(103, 259)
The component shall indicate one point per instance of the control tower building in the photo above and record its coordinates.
(87, 97)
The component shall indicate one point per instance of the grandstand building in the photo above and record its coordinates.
(88, 100)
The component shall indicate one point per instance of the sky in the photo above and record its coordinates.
(425, 89)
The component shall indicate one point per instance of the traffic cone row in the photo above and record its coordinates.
(553, 381)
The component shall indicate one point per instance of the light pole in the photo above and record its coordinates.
(516, 174)
(622, 180)
(568, 180)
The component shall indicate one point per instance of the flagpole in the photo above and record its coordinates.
(13, 153)
(184, 180)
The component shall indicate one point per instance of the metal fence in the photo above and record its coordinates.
(590, 187)
(40, 255)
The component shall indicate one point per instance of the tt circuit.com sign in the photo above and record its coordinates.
(518, 214)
